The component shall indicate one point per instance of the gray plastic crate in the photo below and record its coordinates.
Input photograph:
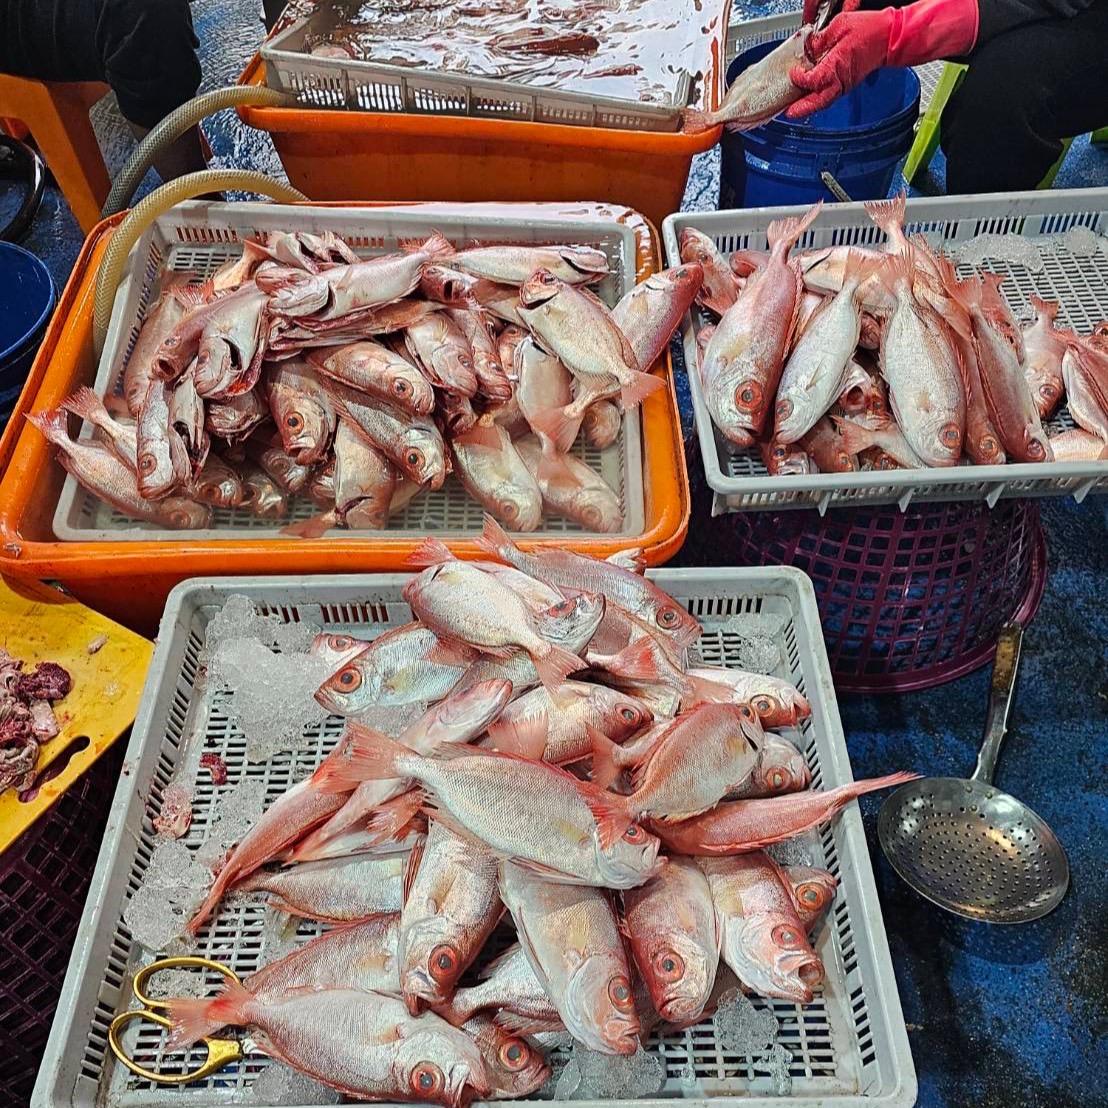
(849, 1046)
(1078, 281)
(198, 237)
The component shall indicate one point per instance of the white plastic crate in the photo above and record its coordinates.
(198, 237)
(375, 87)
(849, 1046)
(1078, 281)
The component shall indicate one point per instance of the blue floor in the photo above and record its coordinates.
(998, 1018)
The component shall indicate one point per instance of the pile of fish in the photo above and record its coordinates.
(27, 716)
(571, 772)
(299, 368)
(845, 358)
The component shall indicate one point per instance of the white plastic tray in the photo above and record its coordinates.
(849, 1046)
(1078, 282)
(198, 237)
(374, 87)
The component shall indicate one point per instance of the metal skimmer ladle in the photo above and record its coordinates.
(968, 847)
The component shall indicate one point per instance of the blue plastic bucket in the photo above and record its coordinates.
(26, 301)
(861, 139)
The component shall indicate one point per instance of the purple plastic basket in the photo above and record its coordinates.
(44, 878)
(907, 599)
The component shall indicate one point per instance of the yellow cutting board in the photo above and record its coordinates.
(41, 624)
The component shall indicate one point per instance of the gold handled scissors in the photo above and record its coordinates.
(220, 1052)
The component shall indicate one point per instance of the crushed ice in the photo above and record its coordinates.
(240, 619)
(176, 983)
(232, 816)
(280, 1085)
(752, 1033)
(170, 892)
(590, 1075)
(1014, 249)
(1082, 242)
(757, 650)
(801, 850)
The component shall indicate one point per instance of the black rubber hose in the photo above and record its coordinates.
(18, 160)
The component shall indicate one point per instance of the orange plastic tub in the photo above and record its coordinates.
(130, 580)
(343, 155)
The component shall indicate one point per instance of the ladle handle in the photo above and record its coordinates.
(1003, 683)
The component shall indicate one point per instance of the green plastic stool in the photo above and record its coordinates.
(928, 129)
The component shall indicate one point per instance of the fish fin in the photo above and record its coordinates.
(312, 528)
(391, 821)
(86, 405)
(887, 213)
(555, 665)
(633, 560)
(53, 425)
(430, 552)
(694, 121)
(193, 1018)
(1048, 309)
(788, 231)
(559, 425)
(855, 438)
(612, 814)
(436, 244)
(604, 768)
(525, 1025)
(638, 661)
(451, 652)
(539, 870)
(483, 434)
(411, 869)
(495, 542)
(640, 387)
(554, 471)
(372, 757)
(525, 737)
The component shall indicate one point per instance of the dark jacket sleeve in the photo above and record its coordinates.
(998, 16)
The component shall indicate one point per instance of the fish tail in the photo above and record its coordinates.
(559, 425)
(638, 661)
(553, 470)
(86, 405)
(786, 232)
(195, 1018)
(639, 388)
(436, 245)
(854, 437)
(604, 767)
(53, 425)
(494, 541)
(554, 664)
(430, 552)
(311, 528)
(844, 794)
(694, 121)
(525, 737)
(887, 214)
(370, 757)
(612, 813)
(391, 821)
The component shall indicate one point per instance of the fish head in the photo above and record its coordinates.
(571, 623)
(1036, 443)
(423, 457)
(515, 1067)
(292, 292)
(186, 515)
(696, 247)
(781, 767)
(336, 650)
(621, 716)
(351, 689)
(430, 961)
(598, 509)
(771, 954)
(674, 620)
(813, 891)
(221, 490)
(679, 972)
(586, 260)
(599, 1005)
(302, 421)
(734, 420)
(780, 705)
(435, 1062)
(792, 416)
(682, 282)
(540, 287)
(943, 435)
(631, 860)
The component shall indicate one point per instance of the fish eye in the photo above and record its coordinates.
(514, 1055)
(340, 642)
(347, 679)
(629, 714)
(786, 936)
(777, 779)
(634, 834)
(669, 966)
(293, 422)
(763, 705)
(413, 458)
(619, 992)
(180, 518)
(465, 361)
(1035, 450)
(443, 963)
(427, 1079)
(509, 510)
(147, 463)
(809, 895)
(401, 387)
(668, 617)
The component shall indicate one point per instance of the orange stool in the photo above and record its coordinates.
(56, 115)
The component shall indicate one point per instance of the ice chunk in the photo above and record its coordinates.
(566, 1080)
(280, 1085)
(1014, 249)
(1080, 241)
(171, 890)
(801, 850)
(688, 1081)
(741, 1028)
(237, 619)
(232, 816)
(779, 1058)
(756, 648)
(272, 697)
(616, 1076)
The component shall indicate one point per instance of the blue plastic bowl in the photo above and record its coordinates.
(861, 139)
(26, 300)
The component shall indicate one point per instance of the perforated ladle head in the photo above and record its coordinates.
(968, 847)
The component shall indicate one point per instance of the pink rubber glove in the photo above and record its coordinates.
(857, 43)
